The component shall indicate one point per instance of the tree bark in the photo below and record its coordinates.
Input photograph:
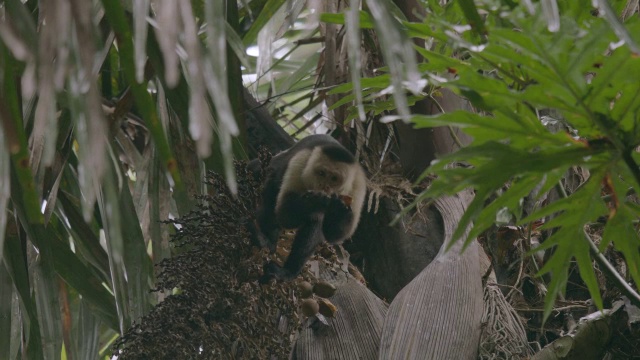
(354, 332)
(438, 315)
(263, 129)
(394, 255)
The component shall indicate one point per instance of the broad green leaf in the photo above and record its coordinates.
(13, 129)
(424, 31)
(620, 231)
(440, 62)
(45, 285)
(569, 239)
(15, 262)
(561, 99)
(559, 263)
(616, 25)
(57, 170)
(53, 251)
(613, 90)
(626, 105)
(508, 41)
(235, 44)
(346, 99)
(136, 260)
(83, 279)
(265, 14)
(5, 188)
(589, 47)
(177, 99)
(85, 239)
(23, 25)
(85, 331)
(111, 220)
(6, 312)
(159, 204)
(378, 82)
(576, 200)
(585, 265)
(499, 127)
(365, 21)
(115, 15)
(509, 200)
(293, 81)
(471, 213)
(398, 54)
(473, 17)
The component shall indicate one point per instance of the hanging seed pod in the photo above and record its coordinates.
(309, 307)
(324, 289)
(305, 289)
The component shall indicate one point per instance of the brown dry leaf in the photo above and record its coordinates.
(327, 308)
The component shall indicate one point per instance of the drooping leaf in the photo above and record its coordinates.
(86, 332)
(263, 17)
(6, 312)
(398, 54)
(616, 25)
(5, 188)
(115, 15)
(15, 262)
(45, 285)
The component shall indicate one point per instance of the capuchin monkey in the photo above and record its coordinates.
(316, 187)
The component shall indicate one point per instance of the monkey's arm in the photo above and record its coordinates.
(307, 238)
(296, 209)
(266, 216)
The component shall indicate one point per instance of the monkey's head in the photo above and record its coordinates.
(329, 169)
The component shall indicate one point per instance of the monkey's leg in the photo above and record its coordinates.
(307, 238)
(255, 168)
(258, 238)
(337, 221)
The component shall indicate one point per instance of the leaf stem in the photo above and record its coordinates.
(607, 268)
(624, 287)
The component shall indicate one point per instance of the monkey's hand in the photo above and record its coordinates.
(316, 200)
(337, 221)
(338, 205)
(273, 271)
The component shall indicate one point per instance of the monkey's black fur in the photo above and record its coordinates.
(316, 215)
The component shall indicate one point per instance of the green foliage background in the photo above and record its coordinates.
(554, 86)
(582, 72)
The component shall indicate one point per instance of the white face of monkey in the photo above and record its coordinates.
(323, 174)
